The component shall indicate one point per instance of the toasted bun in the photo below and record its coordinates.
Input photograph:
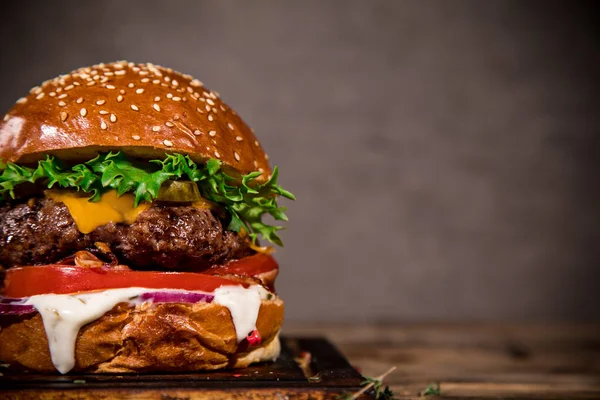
(159, 337)
(142, 109)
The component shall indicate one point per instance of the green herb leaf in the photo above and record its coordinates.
(246, 201)
(432, 390)
(381, 392)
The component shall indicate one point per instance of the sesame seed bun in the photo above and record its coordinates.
(143, 110)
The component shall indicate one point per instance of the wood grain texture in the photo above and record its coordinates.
(472, 360)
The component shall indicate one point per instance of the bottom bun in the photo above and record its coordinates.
(148, 338)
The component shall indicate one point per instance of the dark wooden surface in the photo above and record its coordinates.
(469, 360)
(326, 374)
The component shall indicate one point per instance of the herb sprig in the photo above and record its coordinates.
(381, 392)
(246, 200)
(433, 389)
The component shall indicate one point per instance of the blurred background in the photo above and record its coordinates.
(444, 155)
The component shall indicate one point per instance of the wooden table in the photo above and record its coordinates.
(472, 360)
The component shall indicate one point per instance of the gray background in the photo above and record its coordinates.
(444, 154)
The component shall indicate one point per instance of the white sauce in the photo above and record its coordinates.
(65, 314)
(243, 304)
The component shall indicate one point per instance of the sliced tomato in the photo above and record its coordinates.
(65, 279)
(247, 266)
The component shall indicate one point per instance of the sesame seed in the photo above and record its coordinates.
(52, 94)
(217, 154)
(91, 83)
(79, 100)
(135, 137)
(120, 72)
(175, 83)
(156, 81)
(169, 95)
(255, 164)
(197, 132)
(131, 85)
(189, 89)
(156, 107)
(69, 87)
(62, 103)
(196, 83)
(156, 128)
(230, 126)
(103, 79)
(135, 108)
(210, 117)
(207, 107)
(222, 108)
(109, 73)
(261, 170)
(119, 98)
(176, 98)
(63, 116)
(110, 87)
(22, 100)
(157, 98)
(62, 96)
(145, 80)
(214, 110)
(139, 91)
(209, 101)
(6, 117)
(100, 102)
(36, 90)
(103, 125)
(239, 138)
(168, 143)
(143, 73)
(83, 112)
(113, 118)
(167, 79)
(122, 91)
(199, 110)
(256, 143)
(76, 83)
(103, 112)
(176, 117)
(39, 96)
(169, 124)
(236, 156)
(212, 133)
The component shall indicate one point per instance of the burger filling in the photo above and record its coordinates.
(78, 239)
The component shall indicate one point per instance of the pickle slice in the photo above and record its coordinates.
(179, 192)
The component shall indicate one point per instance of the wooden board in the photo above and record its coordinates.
(473, 360)
(331, 375)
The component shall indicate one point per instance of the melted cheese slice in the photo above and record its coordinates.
(90, 215)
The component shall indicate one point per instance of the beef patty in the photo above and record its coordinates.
(183, 237)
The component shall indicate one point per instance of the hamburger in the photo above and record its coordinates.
(131, 219)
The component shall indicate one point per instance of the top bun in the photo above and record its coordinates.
(143, 110)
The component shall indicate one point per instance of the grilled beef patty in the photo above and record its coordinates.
(164, 237)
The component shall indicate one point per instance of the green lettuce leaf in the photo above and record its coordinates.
(244, 199)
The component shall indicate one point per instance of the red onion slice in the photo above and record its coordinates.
(15, 309)
(9, 300)
(176, 297)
